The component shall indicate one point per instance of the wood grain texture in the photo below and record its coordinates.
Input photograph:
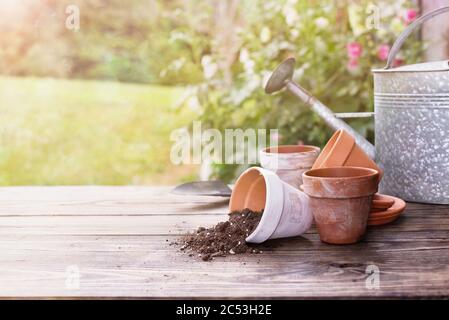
(119, 239)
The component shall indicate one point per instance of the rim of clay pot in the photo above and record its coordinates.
(340, 182)
(341, 140)
(288, 157)
(291, 148)
(273, 200)
(341, 172)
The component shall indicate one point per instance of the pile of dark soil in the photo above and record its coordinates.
(225, 238)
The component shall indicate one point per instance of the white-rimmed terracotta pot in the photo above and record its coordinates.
(286, 210)
(289, 162)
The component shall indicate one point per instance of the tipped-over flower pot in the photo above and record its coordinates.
(286, 210)
(340, 198)
(342, 150)
(289, 162)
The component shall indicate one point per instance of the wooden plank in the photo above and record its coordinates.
(413, 220)
(435, 32)
(148, 266)
(120, 243)
(108, 201)
(106, 225)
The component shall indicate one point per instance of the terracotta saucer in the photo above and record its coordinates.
(389, 215)
(381, 201)
(381, 222)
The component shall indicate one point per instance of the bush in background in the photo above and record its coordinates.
(336, 44)
(223, 50)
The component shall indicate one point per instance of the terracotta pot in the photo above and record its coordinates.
(340, 198)
(289, 162)
(286, 210)
(341, 150)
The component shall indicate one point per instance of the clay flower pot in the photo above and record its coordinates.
(340, 198)
(289, 162)
(341, 150)
(286, 210)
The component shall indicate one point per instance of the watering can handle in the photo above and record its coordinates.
(406, 33)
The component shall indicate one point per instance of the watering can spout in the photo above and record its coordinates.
(282, 78)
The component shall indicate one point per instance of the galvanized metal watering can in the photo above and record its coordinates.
(411, 112)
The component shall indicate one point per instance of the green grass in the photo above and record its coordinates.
(74, 132)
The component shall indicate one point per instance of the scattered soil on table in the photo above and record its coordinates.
(225, 238)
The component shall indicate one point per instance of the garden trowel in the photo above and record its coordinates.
(203, 188)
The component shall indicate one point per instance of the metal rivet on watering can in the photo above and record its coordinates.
(282, 77)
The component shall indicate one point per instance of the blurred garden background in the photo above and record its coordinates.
(96, 105)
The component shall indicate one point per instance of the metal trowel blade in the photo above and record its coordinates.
(203, 188)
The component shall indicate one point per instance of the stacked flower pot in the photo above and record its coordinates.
(298, 185)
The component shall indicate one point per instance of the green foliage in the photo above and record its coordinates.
(225, 49)
(134, 41)
(316, 33)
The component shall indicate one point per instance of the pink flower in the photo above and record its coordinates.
(353, 64)
(354, 49)
(383, 51)
(410, 15)
(398, 62)
(275, 137)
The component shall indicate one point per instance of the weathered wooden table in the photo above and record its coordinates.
(115, 242)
